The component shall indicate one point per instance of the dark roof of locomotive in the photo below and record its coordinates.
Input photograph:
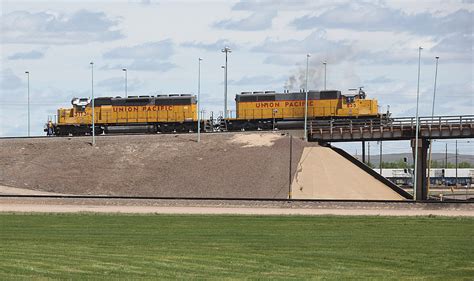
(173, 99)
(272, 96)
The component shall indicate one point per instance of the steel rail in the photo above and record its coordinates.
(230, 199)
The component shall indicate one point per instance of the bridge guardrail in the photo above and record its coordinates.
(327, 128)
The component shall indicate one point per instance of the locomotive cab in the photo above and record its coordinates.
(357, 104)
(80, 104)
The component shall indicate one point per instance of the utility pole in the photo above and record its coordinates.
(306, 100)
(126, 90)
(456, 163)
(28, 75)
(325, 64)
(415, 184)
(93, 105)
(199, 100)
(446, 156)
(226, 50)
(368, 153)
(432, 118)
(380, 158)
(290, 177)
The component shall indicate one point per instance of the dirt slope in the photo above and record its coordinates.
(222, 165)
(324, 174)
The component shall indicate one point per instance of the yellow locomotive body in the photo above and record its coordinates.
(265, 110)
(161, 112)
(270, 105)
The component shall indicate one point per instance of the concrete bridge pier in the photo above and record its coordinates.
(422, 183)
(363, 152)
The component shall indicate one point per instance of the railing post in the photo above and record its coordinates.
(330, 127)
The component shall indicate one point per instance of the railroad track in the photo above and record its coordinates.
(209, 199)
(139, 134)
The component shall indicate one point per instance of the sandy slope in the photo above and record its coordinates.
(322, 173)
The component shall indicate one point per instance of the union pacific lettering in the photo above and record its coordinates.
(143, 108)
(272, 104)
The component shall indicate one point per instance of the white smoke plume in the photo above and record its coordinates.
(350, 79)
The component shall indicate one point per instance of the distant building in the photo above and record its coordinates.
(438, 177)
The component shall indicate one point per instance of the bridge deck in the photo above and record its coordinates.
(404, 128)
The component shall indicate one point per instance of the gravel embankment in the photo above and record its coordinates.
(243, 165)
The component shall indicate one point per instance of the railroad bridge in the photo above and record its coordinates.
(404, 128)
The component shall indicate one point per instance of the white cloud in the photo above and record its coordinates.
(9, 81)
(150, 56)
(142, 65)
(451, 33)
(367, 16)
(117, 84)
(379, 80)
(315, 42)
(55, 28)
(283, 60)
(261, 5)
(213, 46)
(256, 21)
(263, 80)
(456, 43)
(150, 50)
(31, 55)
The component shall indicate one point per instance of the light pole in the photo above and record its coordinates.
(415, 184)
(380, 158)
(226, 50)
(126, 90)
(325, 64)
(93, 106)
(199, 100)
(306, 100)
(434, 89)
(456, 163)
(432, 116)
(223, 67)
(28, 75)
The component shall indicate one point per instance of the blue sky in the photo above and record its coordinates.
(365, 43)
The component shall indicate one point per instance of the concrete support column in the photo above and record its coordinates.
(363, 152)
(422, 183)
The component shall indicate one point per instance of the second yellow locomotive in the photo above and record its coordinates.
(259, 110)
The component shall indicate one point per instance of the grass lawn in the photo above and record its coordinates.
(89, 246)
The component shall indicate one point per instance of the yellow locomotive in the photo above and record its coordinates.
(163, 113)
(178, 112)
(260, 110)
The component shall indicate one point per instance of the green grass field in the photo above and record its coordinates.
(234, 247)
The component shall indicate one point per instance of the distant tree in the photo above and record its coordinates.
(400, 164)
(436, 164)
(465, 165)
